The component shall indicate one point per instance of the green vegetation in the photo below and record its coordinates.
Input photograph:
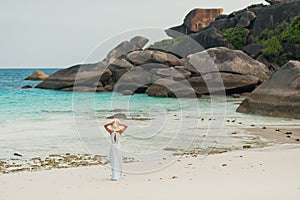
(168, 43)
(237, 37)
(273, 40)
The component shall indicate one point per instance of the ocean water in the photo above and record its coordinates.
(36, 122)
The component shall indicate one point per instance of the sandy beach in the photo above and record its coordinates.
(267, 173)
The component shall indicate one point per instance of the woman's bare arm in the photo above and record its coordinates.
(108, 129)
(125, 126)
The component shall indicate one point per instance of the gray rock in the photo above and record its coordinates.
(211, 37)
(151, 66)
(182, 46)
(37, 75)
(171, 88)
(223, 83)
(109, 88)
(279, 96)
(119, 63)
(26, 87)
(127, 92)
(120, 51)
(139, 41)
(79, 75)
(117, 116)
(253, 50)
(149, 56)
(279, 1)
(269, 17)
(246, 18)
(227, 60)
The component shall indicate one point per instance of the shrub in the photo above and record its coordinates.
(237, 37)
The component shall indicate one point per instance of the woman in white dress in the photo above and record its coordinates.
(115, 129)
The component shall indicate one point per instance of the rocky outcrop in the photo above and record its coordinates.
(279, 1)
(198, 19)
(96, 76)
(270, 16)
(221, 59)
(37, 75)
(240, 29)
(279, 96)
(201, 18)
(149, 56)
(171, 88)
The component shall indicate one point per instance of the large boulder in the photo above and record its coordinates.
(79, 75)
(201, 18)
(227, 60)
(37, 75)
(108, 71)
(211, 37)
(139, 41)
(149, 56)
(170, 88)
(196, 20)
(223, 83)
(182, 46)
(279, 96)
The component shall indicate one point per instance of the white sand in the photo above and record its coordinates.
(267, 174)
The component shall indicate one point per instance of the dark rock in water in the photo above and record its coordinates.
(88, 75)
(171, 88)
(117, 116)
(37, 75)
(109, 88)
(80, 89)
(101, 89)
(226, 60)
(279, 96)
(81, 75)
(17, 154)
(149, 56)
(139, 41)
(127, 92)
(26, 87)
(253, 50)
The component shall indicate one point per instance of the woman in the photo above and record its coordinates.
(115, 129)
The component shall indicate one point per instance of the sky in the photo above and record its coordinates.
(61, 33)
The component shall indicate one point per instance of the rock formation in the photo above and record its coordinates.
(198, 19)
(279, 96)
(37, 75)
(279, 1)
(248, 24)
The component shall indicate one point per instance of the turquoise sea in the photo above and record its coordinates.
(36, 122)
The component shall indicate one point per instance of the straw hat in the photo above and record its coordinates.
(115, 126)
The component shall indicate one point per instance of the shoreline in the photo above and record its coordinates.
(266, 173)
(250, 137)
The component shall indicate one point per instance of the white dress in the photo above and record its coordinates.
(115, 157)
